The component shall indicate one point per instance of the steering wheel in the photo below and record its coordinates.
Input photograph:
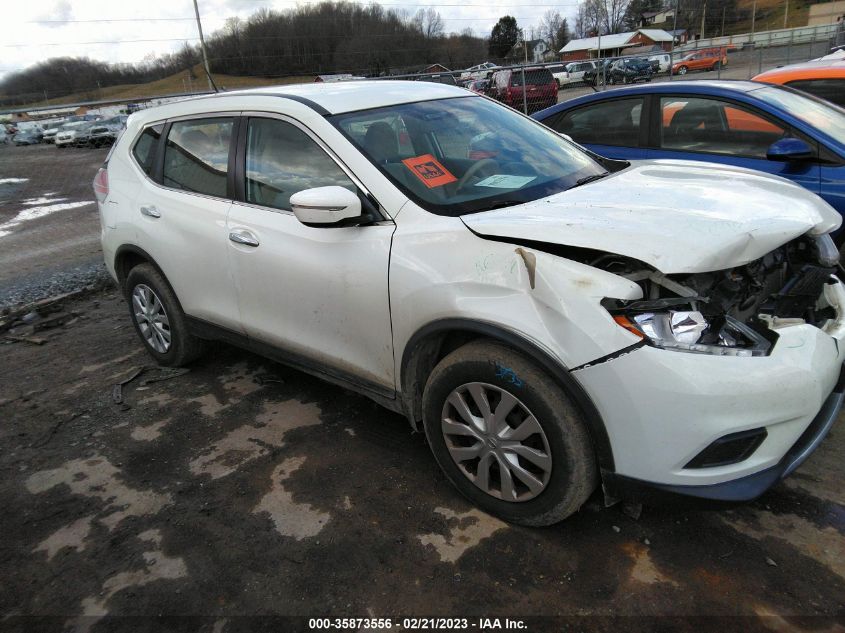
(473, 170)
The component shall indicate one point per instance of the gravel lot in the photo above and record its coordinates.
(242, 491)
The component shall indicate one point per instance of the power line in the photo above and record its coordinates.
(172, 39)
(384, 4)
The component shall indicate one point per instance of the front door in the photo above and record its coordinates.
(709, 129)
(318, 293)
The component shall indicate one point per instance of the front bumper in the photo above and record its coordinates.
(663, 408)
(745, 488)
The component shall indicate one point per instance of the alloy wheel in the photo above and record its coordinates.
(151, 318)
(496, 442)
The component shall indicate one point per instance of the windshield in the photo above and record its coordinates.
(826, 117)
(465, 154)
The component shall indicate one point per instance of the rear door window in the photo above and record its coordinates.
(196, 156)
(615, 122)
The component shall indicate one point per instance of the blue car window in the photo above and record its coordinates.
(695, 124)
(615, 122)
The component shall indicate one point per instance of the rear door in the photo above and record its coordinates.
(722, 131)
(182, 209)
(319, 294)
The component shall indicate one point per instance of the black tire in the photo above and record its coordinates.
(184, 346)
(573, 474)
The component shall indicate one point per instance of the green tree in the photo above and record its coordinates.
(503, 37)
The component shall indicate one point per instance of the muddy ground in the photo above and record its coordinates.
(242, 491)
(243, 488)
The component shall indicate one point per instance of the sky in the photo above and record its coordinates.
(126, 32)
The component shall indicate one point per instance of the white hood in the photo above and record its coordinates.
(678, 216)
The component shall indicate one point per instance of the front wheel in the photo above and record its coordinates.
(507, 436)
(158, 318)
(682, 70)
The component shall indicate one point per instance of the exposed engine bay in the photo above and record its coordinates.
(729, 309)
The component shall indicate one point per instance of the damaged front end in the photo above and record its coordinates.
(734, 312)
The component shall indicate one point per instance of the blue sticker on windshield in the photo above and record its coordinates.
(505, 181)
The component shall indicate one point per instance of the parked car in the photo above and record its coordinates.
(49, 134)
(481, 86)
(549, 323)
(540, 88)
(66, 136)
(575, 72)
(597, 75)
(824, 79)
(629, 70)
(558, 72)
(708, 59)
(660, 63)
(100, 133)
(481, 71)
(771, 129)
(31, 136)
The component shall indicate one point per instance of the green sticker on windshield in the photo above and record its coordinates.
(504, 181)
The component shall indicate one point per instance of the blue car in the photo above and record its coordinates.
(769, 128)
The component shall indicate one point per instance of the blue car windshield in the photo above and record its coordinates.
(466, 154)
(820, 114)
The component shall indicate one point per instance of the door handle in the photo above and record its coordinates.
(150, 211)
(242, 236)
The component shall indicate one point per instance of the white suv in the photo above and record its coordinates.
(550, 318)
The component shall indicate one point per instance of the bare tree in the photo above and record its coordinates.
(429, 23)
(605, 16)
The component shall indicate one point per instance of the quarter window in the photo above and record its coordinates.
(713, 126)
(197, 154)
(281, 160)
(146, 146)
(615, 122)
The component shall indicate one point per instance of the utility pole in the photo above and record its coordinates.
(753, 18)
(202, 46)
(703, 13)
(674, 35)
(785, 13)
(723, 21)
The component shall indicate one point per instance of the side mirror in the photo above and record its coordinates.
(789, 149)
(325, 206)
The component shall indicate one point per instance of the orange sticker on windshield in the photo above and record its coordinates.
(427, 169)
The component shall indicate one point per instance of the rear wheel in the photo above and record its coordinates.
(158, 318)
(507, 436)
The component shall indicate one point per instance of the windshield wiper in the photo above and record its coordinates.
(586, 179)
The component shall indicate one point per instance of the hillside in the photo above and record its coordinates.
(176, 83)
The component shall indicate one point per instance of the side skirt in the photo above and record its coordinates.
(381, 395)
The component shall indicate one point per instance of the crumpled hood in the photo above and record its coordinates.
(678, 216)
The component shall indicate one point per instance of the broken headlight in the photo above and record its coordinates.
(691, 331)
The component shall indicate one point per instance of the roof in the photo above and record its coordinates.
(616, 40)
(656, 35)
(702, 86)
(822, 69)
(324, 98)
